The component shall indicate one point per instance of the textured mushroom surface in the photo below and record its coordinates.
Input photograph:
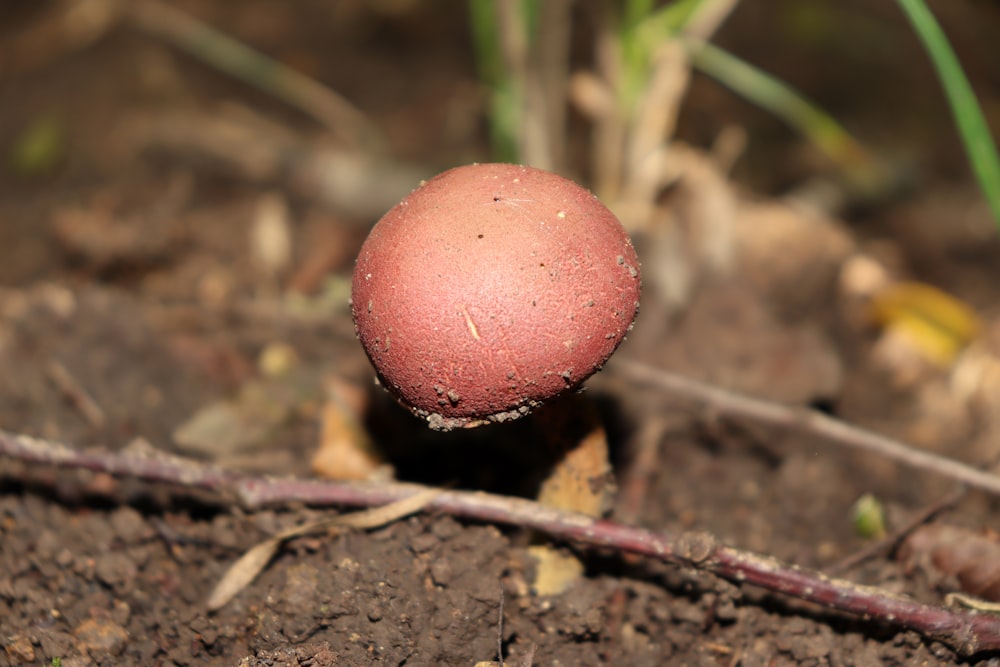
(491, 288)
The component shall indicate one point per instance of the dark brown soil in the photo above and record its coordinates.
(127, 266)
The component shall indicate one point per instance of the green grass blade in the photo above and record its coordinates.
(784, 102)
(643, 29)
(506, 107)
(504, 102)
(972, 126)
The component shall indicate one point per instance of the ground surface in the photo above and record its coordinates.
(130, 266)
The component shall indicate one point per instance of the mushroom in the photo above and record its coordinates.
(490, 290)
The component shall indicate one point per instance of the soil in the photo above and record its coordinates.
(137, 295)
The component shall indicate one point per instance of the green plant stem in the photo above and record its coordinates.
(969, 118)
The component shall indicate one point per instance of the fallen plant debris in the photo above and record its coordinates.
(242, 573)
(970, 558)
(813, 422)
(967, 632)
(890, 543)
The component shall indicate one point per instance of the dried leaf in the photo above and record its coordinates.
(938, 323)
(971, 557)
(261, 408)
(345, 449)
(581, 481)
(555, 572)
(242, 572)
(253, 562)
(959, 600)
(222, 429)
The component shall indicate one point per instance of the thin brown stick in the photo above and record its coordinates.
(803, 419)
(57, 31)
(637, 477)
(889, 543)
(242, 573)
(359, 184)
(78, 397)
(239, 60)
(966, 632)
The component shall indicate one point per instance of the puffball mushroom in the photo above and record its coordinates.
(490, 289)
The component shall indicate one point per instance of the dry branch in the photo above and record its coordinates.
(967, 632)
(811, 422)
(237, 59)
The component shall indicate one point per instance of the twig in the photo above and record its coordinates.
(966, 632)
(360, 184)
(804, 419)
(889, 543)
(64, 381)
(242, 573)
(238, 60)
(636, 478)
(62, 29)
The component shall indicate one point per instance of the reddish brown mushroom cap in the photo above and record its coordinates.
(490, 289)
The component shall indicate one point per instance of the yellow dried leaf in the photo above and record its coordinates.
(939, 324)
(555, 572)
(346, 451)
